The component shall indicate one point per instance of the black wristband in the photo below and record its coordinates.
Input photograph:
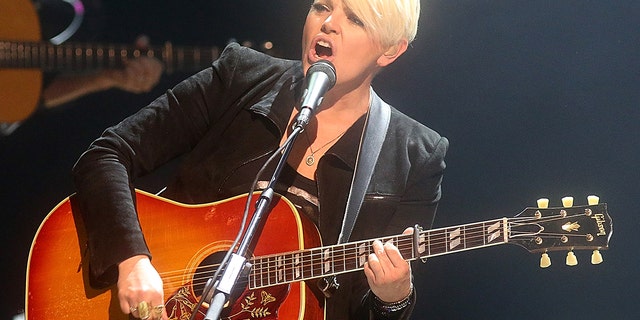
(388, 308)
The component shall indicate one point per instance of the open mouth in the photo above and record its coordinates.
(323, 49)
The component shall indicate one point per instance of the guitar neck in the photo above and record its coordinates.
(90, 56)
(326, 261)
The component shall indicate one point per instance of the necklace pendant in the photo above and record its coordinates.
(310, 160)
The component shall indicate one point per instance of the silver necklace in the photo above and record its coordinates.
(310, 160)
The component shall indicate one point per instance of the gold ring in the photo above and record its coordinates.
(133, 309)
(143, 310)
(157, 312)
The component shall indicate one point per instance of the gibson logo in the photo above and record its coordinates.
(599, 218)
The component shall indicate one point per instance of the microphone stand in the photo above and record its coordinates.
(238, 266)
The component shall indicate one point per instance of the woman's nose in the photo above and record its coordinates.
(331, 24)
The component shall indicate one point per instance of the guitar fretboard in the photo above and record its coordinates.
(88, 56)
(325, 261)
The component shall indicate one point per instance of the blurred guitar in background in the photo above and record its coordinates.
(24, 57)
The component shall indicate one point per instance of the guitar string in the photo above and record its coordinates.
(180, 274)
(340, 256)
(39, 53)
(271, 280)
(437, 243)
(402, 245)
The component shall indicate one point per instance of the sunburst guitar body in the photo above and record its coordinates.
(186, 242)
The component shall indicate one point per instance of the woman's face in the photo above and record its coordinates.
(332, 32)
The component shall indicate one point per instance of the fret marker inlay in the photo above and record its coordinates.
(280, 268)
(422, 243)
(454, 237)
(327, 261)
(298, 266)
(493, 231)
(362, 254)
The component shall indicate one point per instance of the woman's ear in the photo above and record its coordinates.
(392, 53)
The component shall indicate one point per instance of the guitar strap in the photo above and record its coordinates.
(373, 135)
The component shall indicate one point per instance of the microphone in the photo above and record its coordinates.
(321, 76)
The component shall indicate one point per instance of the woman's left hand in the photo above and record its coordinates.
(388, 274)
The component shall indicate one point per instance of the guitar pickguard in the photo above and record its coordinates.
(250, 304)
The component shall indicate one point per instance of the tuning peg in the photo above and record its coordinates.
(571, 259)
(567, 202)
(593, 200)
(543, 203)
(545, 261)
(596, 257)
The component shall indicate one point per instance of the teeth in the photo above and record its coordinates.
(324, 44)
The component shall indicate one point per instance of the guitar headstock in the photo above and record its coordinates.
(565, 228)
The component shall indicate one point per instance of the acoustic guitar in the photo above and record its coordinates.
(24, 57)
(188, 240)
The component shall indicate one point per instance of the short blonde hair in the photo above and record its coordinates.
(388, 21)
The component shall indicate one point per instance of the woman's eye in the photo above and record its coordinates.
(356, 20)
(319, 7)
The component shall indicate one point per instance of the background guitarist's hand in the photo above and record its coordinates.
(139, 281)
(388, 274)
(137, 76)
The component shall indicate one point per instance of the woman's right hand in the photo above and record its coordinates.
(140, 289)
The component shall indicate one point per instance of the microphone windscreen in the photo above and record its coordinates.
(325, 67)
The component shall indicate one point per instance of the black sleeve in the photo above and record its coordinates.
(165, 129)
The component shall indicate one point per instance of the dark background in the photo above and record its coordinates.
(538, 99)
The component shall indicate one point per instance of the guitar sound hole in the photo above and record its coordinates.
(205, 270)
